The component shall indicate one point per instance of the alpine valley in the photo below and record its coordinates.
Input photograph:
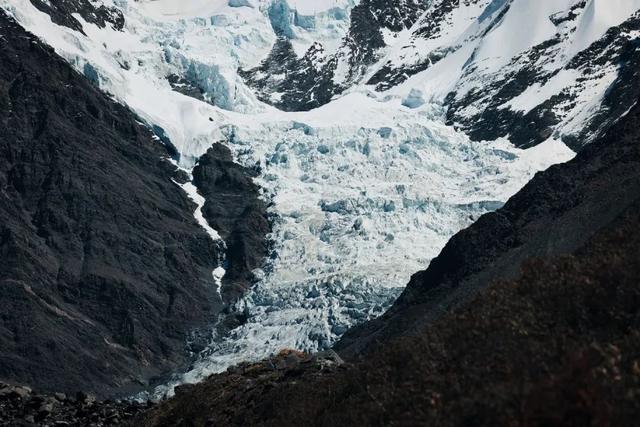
(217, 205)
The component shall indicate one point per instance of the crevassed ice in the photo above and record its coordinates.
(366, 191)
(360, 209)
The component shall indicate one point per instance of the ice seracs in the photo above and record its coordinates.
(363, 199)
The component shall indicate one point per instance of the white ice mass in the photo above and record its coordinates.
(367, 189)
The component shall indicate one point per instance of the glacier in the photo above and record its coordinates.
(365, 190)
(361, 205)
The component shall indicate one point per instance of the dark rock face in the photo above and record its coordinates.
(396, 16)
(186, 87)
(233, 208)
(556, 213)
(103, 269)
(291, 83)
(61, 12)
(558, 346)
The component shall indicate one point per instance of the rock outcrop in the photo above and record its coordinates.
(235, 209)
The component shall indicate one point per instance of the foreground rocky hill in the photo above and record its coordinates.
(529, 317)
(105, 274)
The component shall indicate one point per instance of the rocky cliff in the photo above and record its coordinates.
(105, 273)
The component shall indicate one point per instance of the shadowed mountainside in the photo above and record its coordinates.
(104, 272)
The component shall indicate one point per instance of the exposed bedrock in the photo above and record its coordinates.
(234, 208)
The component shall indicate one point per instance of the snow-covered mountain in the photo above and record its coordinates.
(378, 128)
(505, 68)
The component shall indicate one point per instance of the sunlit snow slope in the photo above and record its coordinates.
(365, 189)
